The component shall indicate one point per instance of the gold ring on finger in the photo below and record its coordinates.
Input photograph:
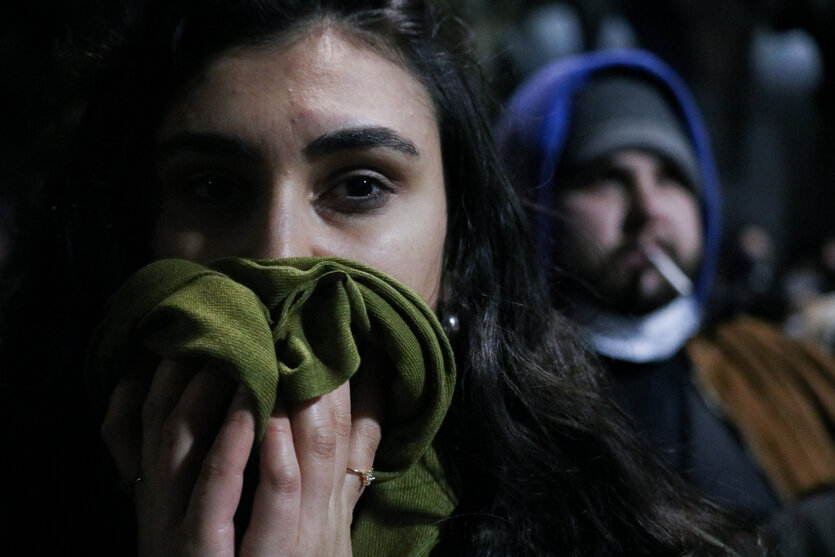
(366, 477)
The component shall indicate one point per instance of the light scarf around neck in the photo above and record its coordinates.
(641, 338)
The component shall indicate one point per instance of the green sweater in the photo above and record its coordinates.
(290, 328)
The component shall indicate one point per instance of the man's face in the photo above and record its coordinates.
(616, 209)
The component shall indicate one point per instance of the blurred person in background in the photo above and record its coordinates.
(809, 288)
(747, 281)
(614, 159)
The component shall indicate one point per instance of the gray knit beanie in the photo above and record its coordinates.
(621, 111)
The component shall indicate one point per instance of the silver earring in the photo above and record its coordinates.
(450, 325)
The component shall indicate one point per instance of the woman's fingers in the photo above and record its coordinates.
(122, 425)
(367, 404)
(170, 379)
(305, 497)
(299, 507)
(321, 433)
(181, 417)
(218, 488)
(194, 449)
(274, 524)
(187, 433)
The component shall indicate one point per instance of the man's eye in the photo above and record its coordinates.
(596, 180)
(672, 180)
(605, 184)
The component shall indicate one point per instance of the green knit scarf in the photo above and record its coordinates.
(290, 328)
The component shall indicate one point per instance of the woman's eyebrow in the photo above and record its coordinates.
(359, 138)
(205, 144)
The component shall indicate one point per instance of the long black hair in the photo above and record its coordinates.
(542, 462)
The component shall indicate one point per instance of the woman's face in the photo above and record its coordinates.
(320, 147)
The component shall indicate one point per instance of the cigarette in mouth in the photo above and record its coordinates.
(671, 272)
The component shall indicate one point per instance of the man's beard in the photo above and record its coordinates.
(628, 296)
(622, 289)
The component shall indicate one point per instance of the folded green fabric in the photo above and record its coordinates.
(295, 328)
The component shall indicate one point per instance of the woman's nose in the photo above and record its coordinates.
(288, 230)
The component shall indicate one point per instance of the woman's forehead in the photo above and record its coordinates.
(321, 75)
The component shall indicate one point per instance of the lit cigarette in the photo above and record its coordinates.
(671, 272)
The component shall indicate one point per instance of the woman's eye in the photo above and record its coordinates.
(360, 186)
(357, 193)
(214, 189)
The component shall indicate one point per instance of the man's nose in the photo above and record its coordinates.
(644, 202)
(646, 196)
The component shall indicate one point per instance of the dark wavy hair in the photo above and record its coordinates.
(542, 462)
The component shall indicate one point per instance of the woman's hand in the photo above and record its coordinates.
(191, 445)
